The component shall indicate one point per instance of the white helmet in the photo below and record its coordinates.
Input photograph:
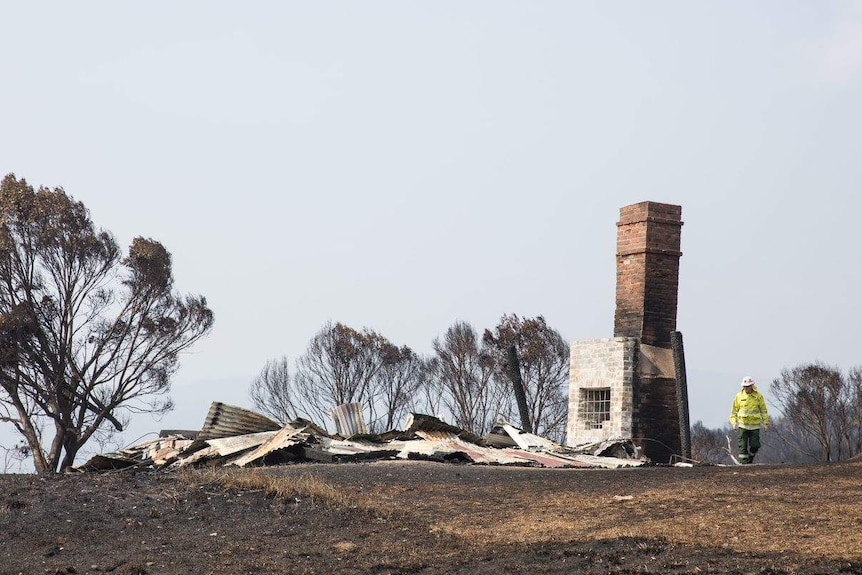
(746, 381)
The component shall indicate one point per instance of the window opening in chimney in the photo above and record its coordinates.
(595, 407)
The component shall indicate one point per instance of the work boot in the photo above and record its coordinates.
(751, 458)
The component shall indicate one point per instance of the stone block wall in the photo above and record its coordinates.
(602, 364)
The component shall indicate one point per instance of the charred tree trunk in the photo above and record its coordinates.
(513, 370)
(681, 393)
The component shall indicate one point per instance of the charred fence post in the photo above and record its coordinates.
(681, 393)
(513, 367)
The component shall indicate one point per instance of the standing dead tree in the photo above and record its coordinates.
(543, 368)
(89, 337)
(463, 371)
(340, 366)
(513, 371)
(708, 445)
(401, 375)
(822, 406)
(272, 393)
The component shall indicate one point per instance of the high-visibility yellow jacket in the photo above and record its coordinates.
(749, 410)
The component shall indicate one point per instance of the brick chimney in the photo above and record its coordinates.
(628, 386)
(648, 252)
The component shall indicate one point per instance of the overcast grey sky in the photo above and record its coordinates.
(402, 165)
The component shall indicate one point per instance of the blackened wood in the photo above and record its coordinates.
(513, 369)
(681, 393)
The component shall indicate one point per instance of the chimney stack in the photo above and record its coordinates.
(648, 252)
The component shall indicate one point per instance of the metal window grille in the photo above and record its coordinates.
(595, 407)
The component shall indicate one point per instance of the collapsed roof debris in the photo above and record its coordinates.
(239, 437)
(228, 421)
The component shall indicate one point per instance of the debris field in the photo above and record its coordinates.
(233, 436)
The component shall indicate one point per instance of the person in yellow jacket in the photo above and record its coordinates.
(749, 415)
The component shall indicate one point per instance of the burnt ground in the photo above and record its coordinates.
(433, 518)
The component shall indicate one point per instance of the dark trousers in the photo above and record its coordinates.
(749, 444)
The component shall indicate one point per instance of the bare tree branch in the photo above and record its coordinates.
(464, 371)
(92, 336)
(543, 355)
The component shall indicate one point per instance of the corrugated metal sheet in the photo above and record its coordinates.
(198, 455)
(347, 447)
(153, 449)
(436, 435)
(230, 445)
(498, 437)
(166, 450)
(420, 422)
(348, 419)
(445, 443)
(600, 461)
(287, 437)
(227, 420)
(420, 446)
(313, 428)
(475, 453)
(184, 433)
(137, 450)
(236, 436)
(528, 441)
(544, 459)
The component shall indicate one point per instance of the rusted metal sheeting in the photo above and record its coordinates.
(447, 450)
(443, 444)
(426, 437)
(312, 427)
(420, 422)
(348, 419)
(227, 420)
(475, 453)
(436, 435)
(447, 442)
(168, 451)
(157, 449)
(488, 455)
(600, 461)
(416, 446)
(543, 459)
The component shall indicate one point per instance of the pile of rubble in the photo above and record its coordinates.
(236, 436)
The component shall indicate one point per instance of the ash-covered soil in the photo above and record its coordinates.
(424, 518)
